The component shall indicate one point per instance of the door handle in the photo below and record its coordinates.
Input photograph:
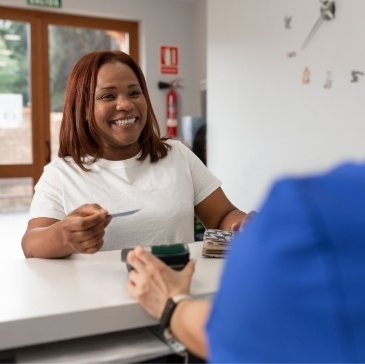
(48, 148)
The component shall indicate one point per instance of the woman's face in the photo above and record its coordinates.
(120, 110)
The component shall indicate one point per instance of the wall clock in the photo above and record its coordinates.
(327, 13)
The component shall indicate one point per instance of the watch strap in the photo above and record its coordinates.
(170, 307)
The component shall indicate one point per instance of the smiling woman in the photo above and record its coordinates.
(112, 158)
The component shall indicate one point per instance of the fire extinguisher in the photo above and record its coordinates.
(171, 108)
(171, 123)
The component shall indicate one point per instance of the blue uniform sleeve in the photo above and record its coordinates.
(276, 289)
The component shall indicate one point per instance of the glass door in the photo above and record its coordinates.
(15, 97)
(16, 152)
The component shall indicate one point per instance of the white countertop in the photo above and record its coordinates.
(45, 300)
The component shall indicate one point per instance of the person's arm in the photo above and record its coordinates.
(81, 231)
(152, 282)
(188, 325)
(217, 212)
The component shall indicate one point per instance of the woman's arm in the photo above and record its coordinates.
(81, 231)
(42, 239)
(217, 212)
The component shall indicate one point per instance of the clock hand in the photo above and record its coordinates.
(328, 10)
(315, 27)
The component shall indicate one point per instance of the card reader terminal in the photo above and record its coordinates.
(175, 256)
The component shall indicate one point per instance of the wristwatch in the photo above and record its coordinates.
(169, 309)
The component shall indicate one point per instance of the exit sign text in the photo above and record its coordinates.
(48, 3)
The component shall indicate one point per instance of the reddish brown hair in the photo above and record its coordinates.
(79, 135)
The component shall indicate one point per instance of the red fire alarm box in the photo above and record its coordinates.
(169, 60)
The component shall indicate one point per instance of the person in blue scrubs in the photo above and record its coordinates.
(293, 285)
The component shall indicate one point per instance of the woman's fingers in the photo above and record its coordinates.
(90, 246)
(81, 223)
(86, 241)
(84, 228)
(87, 209)
(93, 248)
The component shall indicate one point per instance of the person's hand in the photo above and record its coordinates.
(239, 225)
(83, 229)
(152, 282)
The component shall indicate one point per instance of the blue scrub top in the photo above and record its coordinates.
(293, 286)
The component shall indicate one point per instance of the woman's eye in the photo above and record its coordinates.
(135, 93)
(107, 97)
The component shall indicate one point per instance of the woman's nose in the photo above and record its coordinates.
(124, 105)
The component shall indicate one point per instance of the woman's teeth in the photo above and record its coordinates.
(125, 121)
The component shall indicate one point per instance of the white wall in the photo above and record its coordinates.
(162, 22)
(262, 121)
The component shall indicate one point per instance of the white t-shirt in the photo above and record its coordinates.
(165, 192)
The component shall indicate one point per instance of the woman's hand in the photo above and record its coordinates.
(83, 229)
(241, 222)
(152, 282)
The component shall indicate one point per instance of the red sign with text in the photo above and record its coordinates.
(169, 60)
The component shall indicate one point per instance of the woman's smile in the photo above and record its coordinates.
(124, 122)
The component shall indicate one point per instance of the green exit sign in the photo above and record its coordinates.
(47, 3)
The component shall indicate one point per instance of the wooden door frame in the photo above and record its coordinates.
(39, 75)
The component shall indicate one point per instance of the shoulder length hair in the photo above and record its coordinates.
(79, 137)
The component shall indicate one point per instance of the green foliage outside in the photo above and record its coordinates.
(66, 46)
(14, 62)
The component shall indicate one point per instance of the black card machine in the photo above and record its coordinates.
(175, 256)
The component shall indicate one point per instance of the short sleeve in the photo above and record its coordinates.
(48, 196)
(204, 181)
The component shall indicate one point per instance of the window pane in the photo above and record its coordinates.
(15, 111)
(15, 198)
(15, 194)
(75, 42)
